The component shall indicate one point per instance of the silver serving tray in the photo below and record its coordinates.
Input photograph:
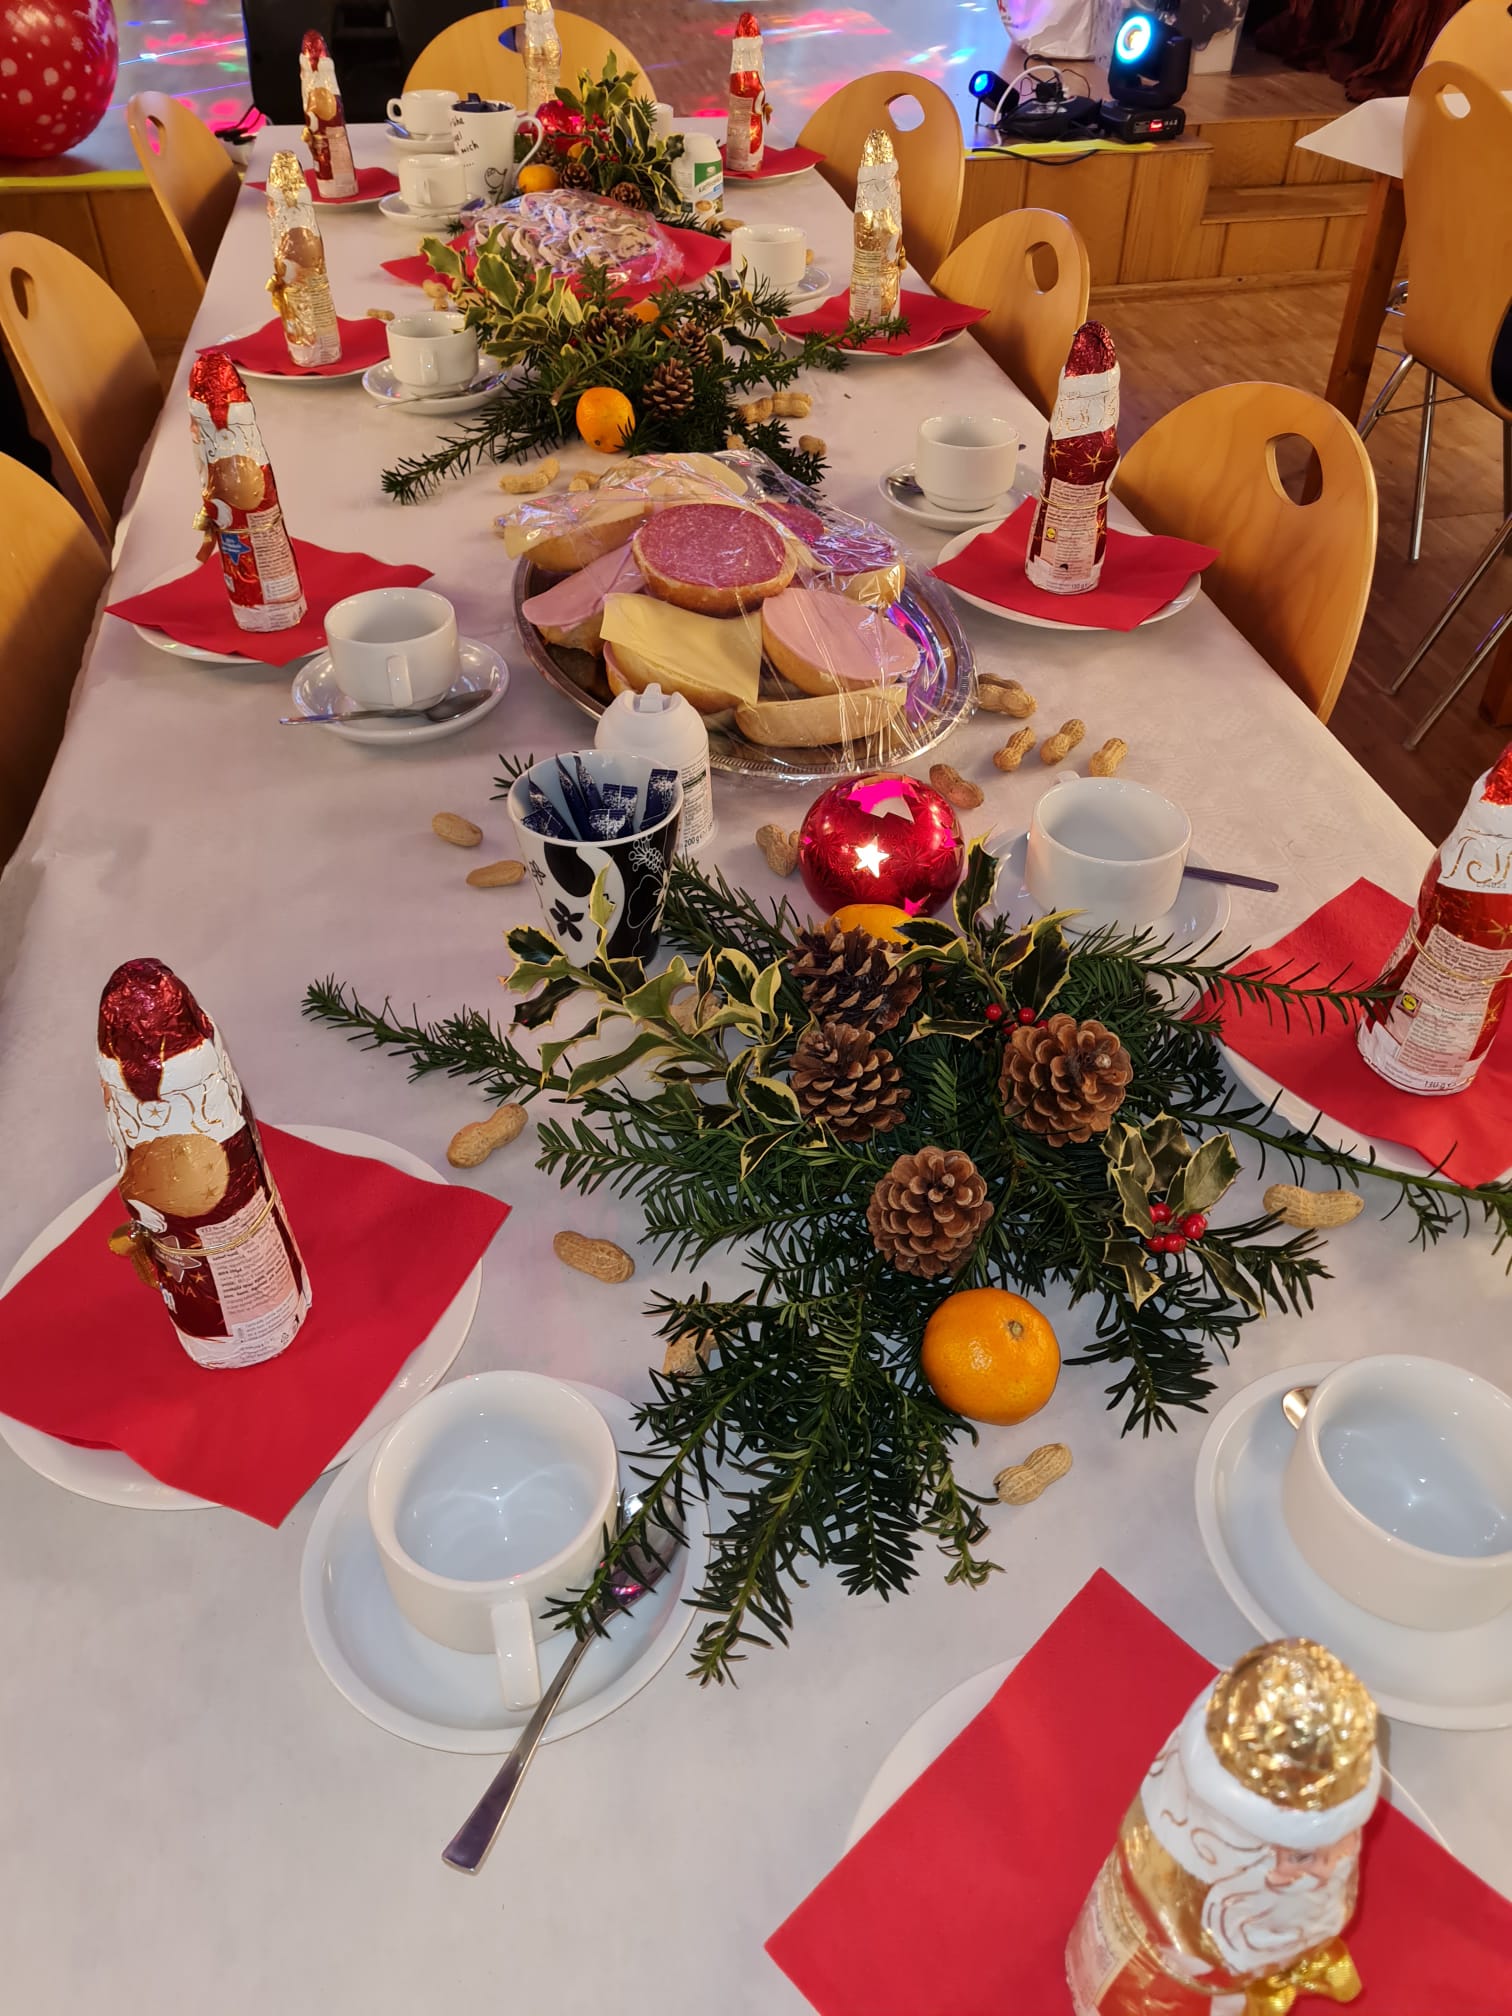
(941, 691)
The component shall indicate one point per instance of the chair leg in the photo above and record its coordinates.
(1425, 450)
(1483, 651)
(1455, 604)
(1378, 404)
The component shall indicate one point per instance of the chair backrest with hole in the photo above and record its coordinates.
(931, 154)
(86, 362)
(1479, 36)
(1292, 577)
(1029, 270)
(51, 575)
(467, 56)
(1457, 175)
(191, 174)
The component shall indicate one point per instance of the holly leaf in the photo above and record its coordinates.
(599, 1070)
(443, 259)
(974, 890)
(753, 1153)
(539, 1010)
(653, 1002)
(1168, 1148)
(1039, 960)
(1204, 1178)
(532, 946)
(927, 1025)
(600, 909)
(1132, 1175)
(928, 933)
(1229, 1276)
(1128, 1256)
(769, 1100)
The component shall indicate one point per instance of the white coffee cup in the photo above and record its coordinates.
(489, 1501)
(393, 647)
(433, 182)
(1398, 1491)
(433, 349)
(966, 461)
(775, 253)
(424, 115)
(483, 133)
(1111, 849)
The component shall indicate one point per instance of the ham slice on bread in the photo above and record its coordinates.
(822, 642)
(572, 612)
(715, 559)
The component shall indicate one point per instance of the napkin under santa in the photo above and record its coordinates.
(776, 161)
(1140, 575)
(698, 252)
(930, 319)
(371, 183)
(959, 1901)
(194, 608)
(364, 341)
(87, 1351)
(1349, 940)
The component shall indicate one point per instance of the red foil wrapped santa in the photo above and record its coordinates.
(239, 510)
(207, 1225)
(1451, 976)
(325, 130)
(1070, 530)
(745, 139)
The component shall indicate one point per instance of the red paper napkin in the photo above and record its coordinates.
(959, 1901)
(1139, 576)
(777, 161)
(930, 318)
(414, 271)
(364, 341)
(1352, 937)
(87, 1352)
(700, 254)
(371, 182)
(194, 608)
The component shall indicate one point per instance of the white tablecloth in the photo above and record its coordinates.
(193, 1818)
(1366, 136)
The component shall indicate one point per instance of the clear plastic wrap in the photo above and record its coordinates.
(563, 230)
(795, 629)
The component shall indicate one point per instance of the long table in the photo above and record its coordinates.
(192, 1816)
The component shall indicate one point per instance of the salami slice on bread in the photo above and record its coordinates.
(716, 559)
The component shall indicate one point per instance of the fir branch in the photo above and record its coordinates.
(464, 1045)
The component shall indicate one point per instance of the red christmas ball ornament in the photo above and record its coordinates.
(882, 838)
(57, 73)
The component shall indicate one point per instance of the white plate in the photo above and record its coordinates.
(161, 641)
(379, 382)
(903, 356)
(938, 1727)
(1440, 1679)
(303, 377)
(913, 505)
(418, 143)
(112, 1478)
(768, 181)
(949, 550)
(448, 1700)
(397, 211)
(1200, 912)
(483, 671)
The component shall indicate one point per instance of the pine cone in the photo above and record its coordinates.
(669, 389)
(1065, 1079)
(575, 175)
(846, 1080)
(849, 976)
(690, 336)
(601, 327)
(628, 193)
(927, 1211)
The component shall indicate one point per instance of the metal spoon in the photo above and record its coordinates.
(445, 709)
(1294, 1403)
(1234, 881)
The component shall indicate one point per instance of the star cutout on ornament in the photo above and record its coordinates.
(872, 856)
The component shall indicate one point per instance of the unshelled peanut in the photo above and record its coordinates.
(1055, 748)
(475, 1142)
(599, 1257)
(954, 788)
(456, 831)
(1022, 1483)
(497, 875)
(1014, 750)
(1322, 1210)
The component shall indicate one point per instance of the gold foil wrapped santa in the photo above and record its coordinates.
(325, 128)
(541, 48)
(300, 287)
(207, 1226)
(1070, 531)
(240, 515)
(1237, 1866)
(877, 268)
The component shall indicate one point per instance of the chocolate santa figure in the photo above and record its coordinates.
(325, 129)
(541, 46)
(1070, 530)
(300, 287)
(878, 260)
(1236, 1868)
(206, 1227)
(239, 513)
(745, 133)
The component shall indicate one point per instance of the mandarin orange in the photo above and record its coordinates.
(990, 1355)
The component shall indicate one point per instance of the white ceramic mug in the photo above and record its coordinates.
(393, 647)
(775, 253)
(424, 115)
(1398, 1491)
(1106, 847)
(489, 1501)
(433, 349)
(966, 461)
(483, 133)
(434, 182)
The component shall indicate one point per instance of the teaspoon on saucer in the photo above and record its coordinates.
(445, 709)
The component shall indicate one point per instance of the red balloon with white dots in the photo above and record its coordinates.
(58, 63)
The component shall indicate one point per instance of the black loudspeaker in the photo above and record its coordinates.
(1150, 64)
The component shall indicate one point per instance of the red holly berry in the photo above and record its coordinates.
(994, 1011)
(1027, 1018)
(1156, 1243)
(1174, 1243)
(1160, 1214)
(1194, 1225)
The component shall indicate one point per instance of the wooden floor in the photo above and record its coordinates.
(1171, 348)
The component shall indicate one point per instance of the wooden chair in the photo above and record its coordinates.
(931, 155)
(190, 172)
(51, 577)
(1294, 578)
(1029, 269)
(467, 55)
(86, 362)
(1479, 36)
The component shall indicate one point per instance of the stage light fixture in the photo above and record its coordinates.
(990, 91)
(1150, 63)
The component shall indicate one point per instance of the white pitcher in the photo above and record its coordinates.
(483, 133)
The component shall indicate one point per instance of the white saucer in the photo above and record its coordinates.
(1200, 912)
(448, 1700)
(418, 143)
(859, 356)
(1440, 1679)
(111, 1477)
(938, 1727)
(817, 285)
(397, 211)
(918, 507)
(949, 550)
(483, 671)
(379, 382)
